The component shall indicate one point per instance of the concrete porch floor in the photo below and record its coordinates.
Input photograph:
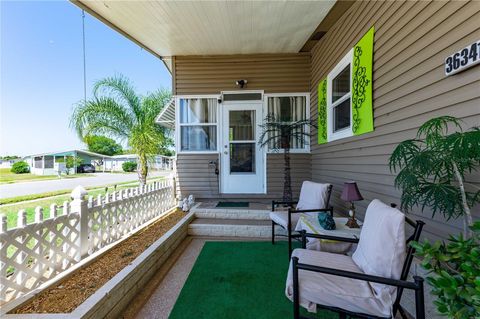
(211, 223)
(159, 296)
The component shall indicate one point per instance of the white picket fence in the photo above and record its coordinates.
(31, 254)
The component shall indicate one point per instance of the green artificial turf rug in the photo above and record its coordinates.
(238, 280)
(232, 204)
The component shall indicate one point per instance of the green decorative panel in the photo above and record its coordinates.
(322, 112)
(362, 104)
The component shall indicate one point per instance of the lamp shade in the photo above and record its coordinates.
(350, 192)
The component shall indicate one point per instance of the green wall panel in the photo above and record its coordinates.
(322, 112)
(362, 105)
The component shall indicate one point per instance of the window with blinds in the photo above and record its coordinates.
(198, 124)
(289, 109)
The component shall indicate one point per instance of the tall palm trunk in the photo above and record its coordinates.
(143, 169)
(287, 180)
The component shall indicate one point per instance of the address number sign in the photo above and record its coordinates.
(463, 59)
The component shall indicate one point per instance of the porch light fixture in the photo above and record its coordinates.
(350, 194)
(241, 83)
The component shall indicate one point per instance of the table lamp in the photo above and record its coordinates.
(350, 194)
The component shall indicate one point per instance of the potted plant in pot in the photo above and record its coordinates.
(431, 173)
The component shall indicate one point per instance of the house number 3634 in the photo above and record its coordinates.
(463, 59)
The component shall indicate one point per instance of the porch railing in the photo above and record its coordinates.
(31, 254)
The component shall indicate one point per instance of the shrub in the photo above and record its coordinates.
(20, 168)
(129, 166)
(454, 273)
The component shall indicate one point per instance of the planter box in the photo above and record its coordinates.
(110, 300)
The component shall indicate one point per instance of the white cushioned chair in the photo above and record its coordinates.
(314, 198)
(368, 284)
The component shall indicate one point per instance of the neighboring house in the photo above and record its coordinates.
(160, 162)
(370, 73)
(54, 163)
(7, 163)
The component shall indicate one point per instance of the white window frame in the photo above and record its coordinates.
(306, 149)
(262, 92)
(346, 132)
(178, 125)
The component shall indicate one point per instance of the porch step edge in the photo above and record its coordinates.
(232, 228)
(253, 214)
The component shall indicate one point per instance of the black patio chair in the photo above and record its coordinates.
(400, 284)
(285, 219)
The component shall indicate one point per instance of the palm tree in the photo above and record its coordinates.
(280, 135)
(117, 111)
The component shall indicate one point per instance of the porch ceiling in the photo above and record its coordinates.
(169, 28)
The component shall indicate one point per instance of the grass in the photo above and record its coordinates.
(7, 177)
(23, 198)
(11, 211)
(238, 280)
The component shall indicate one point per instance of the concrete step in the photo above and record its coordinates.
(254, 212)
(232, 228)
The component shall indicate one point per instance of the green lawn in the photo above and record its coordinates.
(7, 177)
(11, 211)
(238, 280)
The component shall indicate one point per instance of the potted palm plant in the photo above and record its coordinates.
(279, 135)
(431, 173)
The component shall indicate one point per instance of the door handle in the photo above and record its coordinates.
(226, 153)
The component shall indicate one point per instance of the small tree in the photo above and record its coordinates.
(432, 167)
(278, 134)
(20, 168)
(72, 162)
(102, 145)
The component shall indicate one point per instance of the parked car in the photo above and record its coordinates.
(86, 168)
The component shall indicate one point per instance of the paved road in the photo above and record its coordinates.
(100, 179)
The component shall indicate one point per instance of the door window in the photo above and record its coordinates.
(241, 135)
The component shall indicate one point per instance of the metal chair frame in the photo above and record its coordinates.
(401, 284)
(291, 210)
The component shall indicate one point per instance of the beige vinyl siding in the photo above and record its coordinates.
(300, 171)
(273, 73)
(195, 176)
(412, 39)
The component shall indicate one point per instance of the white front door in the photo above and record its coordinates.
(243, 160)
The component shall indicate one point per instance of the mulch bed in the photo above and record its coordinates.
(67, 295)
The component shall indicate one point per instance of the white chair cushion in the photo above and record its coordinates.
(381, 248)
(281, 218)
(313, 196)
(335, 291)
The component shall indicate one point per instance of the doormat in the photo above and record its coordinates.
(232, 204)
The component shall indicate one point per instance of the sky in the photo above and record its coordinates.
(41, 72)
